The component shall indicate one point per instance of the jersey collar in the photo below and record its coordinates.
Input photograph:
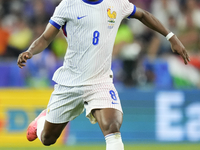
(92, 3)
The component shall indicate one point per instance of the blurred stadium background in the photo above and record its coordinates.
(159, 94)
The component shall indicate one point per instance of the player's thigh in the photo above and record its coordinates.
(100, 97)
(109, 119)
(65, 104)
(52, 129)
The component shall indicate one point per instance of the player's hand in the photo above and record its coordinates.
(177, 47)
(22, 59)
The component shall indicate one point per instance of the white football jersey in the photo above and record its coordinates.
(90, 29)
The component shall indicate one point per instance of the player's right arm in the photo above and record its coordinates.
(38, 45)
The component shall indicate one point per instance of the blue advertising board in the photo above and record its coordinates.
(149, 116)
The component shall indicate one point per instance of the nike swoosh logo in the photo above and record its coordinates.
(81, 17)
(114, 103)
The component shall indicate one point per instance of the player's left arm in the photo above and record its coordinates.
(152, 22)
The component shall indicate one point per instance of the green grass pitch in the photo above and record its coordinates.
(127, 147)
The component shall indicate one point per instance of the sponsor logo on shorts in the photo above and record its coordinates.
(114, 103)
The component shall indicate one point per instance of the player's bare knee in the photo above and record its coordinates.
(48, 140)
(111, 127)
(114, 127)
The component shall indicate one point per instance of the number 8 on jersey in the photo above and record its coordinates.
(96, 35)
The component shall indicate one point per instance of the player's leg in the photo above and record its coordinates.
(103, 106)
(47, 132)
(65, 105)
(50, 133)
(110, 121)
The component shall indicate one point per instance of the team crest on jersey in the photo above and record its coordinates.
(112, 16)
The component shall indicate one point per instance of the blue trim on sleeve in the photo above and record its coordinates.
(133, 13)
(92, 3)
(55, 24)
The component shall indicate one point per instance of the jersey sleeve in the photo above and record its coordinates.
(128, 9)
(59, 17)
